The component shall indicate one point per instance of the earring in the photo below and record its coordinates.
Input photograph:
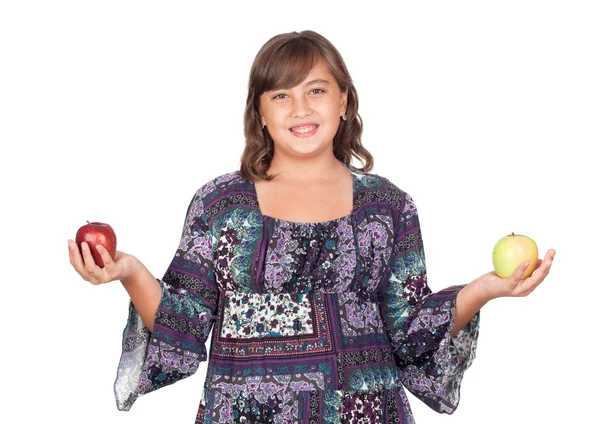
(263, 124)
(344, 117)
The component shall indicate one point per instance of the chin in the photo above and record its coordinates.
(307, 147)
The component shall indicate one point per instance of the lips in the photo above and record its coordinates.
(304, 128)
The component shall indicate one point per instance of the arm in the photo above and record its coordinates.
(468, 302)
(433, 335)
(489, 286)
(145, 293)
(181, 320)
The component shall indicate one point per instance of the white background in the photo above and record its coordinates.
(487, 113)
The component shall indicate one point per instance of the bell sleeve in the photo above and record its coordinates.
(431, 363)
(183, 321)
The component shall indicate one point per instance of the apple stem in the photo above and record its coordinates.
(512, 234)
(89, 222)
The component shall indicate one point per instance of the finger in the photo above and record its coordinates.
(547, 262)
(519, 284)
(530, 290)
(89, 264)
(106, 258)
(520, 271)
(532, 282)
(537, 279)
(75, 258)
(547, 268)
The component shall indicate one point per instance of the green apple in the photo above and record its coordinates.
(511, 251)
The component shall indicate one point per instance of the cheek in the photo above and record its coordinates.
(332, 106)
(332, 113)
(272, 115)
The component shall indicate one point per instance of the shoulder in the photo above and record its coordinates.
(381, 189)
(222, 185)
(221, 190)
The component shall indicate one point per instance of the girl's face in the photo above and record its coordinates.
(316, 103)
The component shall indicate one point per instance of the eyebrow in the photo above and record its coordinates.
(317, 81)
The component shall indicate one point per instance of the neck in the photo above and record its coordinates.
(322, 168)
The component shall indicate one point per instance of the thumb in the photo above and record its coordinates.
(119, 255)
(521, 270)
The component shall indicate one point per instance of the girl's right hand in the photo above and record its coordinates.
(120, 269)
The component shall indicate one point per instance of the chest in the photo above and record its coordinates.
(305, 202)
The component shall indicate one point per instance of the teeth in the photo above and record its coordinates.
(304, 129)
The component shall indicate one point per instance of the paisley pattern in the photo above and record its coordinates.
(325, 322)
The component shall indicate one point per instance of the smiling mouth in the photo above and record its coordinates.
(304, 129)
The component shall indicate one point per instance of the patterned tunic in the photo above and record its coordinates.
(322, 322)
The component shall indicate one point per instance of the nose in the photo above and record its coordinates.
(300, 107)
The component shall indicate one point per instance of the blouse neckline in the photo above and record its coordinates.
(335, 220)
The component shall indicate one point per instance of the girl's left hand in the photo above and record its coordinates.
(491, 286)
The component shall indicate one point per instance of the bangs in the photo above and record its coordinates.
(288, 66)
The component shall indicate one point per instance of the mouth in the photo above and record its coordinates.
(304, 130)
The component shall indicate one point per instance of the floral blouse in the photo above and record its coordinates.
(324, 322)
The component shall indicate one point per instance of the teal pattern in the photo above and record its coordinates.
(325, 322)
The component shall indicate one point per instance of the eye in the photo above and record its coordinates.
(317, 90)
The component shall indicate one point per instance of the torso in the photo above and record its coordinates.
(301, 202)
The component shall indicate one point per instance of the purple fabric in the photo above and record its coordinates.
(311, 322)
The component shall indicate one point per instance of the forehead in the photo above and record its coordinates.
(318, 71)
(288, 67)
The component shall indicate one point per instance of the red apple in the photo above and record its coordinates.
(94, 233)
(511, 251)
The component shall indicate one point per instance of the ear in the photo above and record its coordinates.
(260, 112)
(344, 102)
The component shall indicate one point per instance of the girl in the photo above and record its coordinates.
(311, 271)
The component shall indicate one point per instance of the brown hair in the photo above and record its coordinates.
(282, 62)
